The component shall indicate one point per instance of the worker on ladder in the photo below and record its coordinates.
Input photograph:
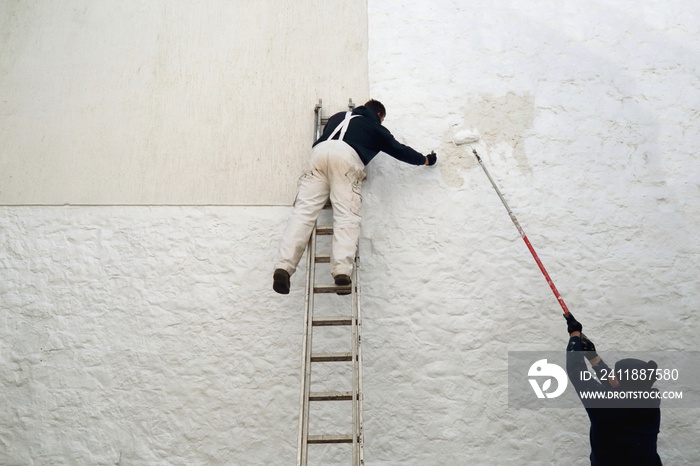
(349, 141)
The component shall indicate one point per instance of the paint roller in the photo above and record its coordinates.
(467, 136)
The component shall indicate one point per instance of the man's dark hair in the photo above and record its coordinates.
(376, 106)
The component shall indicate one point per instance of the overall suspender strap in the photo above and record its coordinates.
(343, 126)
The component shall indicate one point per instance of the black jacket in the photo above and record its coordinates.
(368, 137)
(623, 432)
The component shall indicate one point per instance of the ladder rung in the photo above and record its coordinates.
(330, 439)
(331, 357)
(324, 230)
(330, 396)
(323, 259)
(332, 289)
(325, 321)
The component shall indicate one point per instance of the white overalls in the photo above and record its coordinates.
(336, 171)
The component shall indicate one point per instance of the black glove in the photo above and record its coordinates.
(432, 158)
(589, 347)
(573, 324)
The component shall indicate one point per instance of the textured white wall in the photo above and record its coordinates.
(161, 102)
(588, 116)
(144, 335)
(151, 335)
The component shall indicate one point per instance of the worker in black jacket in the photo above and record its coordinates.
(623, 410)
(350, 141)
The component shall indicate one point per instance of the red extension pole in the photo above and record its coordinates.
(524, 236)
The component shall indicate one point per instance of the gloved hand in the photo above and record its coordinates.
(588, 347)
(573, 324)
(432, 158)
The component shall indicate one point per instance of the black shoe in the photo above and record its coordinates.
(280, 281)
(344, 281)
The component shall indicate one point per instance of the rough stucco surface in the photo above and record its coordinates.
(144, 336)
(588, 122)
(151, 335)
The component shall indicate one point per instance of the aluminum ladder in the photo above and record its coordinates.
(352, 320)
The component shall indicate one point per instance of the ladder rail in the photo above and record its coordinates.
(303, 432)
(357, 361)
(356, 402)
(302, 446)
(318, 124)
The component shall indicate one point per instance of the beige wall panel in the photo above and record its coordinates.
(170, 102)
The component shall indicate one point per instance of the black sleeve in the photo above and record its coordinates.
(576, 365)
(400, 151)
